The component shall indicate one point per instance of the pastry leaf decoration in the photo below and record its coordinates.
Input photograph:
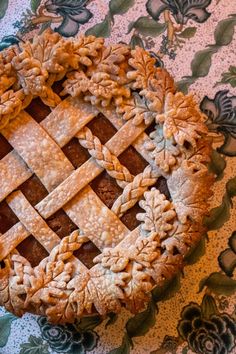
(164, 151)
(136, 108)
(182, 120)
(114, 260)
(86, 49)
(110, 59)
(139, 283)
(132, 264)
(104, 80)
(159, 213)
(166, 266)
(182, 237)
(153, 82)
(143, 65)
(7, 75)
(200, 154)
(189, 188)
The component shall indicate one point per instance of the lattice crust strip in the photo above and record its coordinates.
(126, 87)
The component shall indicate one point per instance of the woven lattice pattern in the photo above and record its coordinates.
(73, 171)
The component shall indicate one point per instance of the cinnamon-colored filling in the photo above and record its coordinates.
(38, 110)
(76, 153)
(5, 147)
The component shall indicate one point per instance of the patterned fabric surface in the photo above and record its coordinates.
(196, 41)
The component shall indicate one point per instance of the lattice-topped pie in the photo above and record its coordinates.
(103, 177)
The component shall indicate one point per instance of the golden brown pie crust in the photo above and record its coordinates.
(102, 191)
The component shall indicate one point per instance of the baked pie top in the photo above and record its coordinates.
(103, 177)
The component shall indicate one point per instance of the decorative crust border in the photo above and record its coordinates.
(128, 81)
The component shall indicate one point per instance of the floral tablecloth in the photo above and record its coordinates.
(196, 41)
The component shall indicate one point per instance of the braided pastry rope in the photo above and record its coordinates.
(104, 157)
(135, 190)
(178, 149)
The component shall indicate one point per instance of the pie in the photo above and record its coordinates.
(103, 177)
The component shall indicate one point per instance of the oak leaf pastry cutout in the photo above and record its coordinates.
(103, 177)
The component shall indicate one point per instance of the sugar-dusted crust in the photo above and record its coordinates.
(132, 94)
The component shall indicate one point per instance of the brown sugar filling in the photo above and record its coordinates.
(32, 250)
(86, 253)
(7, 217)
(131, 159)
(33, 190)
(38, 110)
(5, 147)
(61, 224)
(76, 153)
(106, 188)
(102, 128)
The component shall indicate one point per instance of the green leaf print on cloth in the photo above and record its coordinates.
(147, 26)
(229, 77)
(112, 318)
(116, 7)
(188, 32)
(208, 306)
(196, 252)
(219, 215)
(227, 258)
(221, 113)
(34, 4)
(35, 345)
(201, 62)
(141, 323)
(5, 328)
(102, 29)
(219, 284)
(3, 7)
(168, 289)
(137, 326)
(88, 322)
(136, 40)
(124, 348)
(217, 165)
(120, 7)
